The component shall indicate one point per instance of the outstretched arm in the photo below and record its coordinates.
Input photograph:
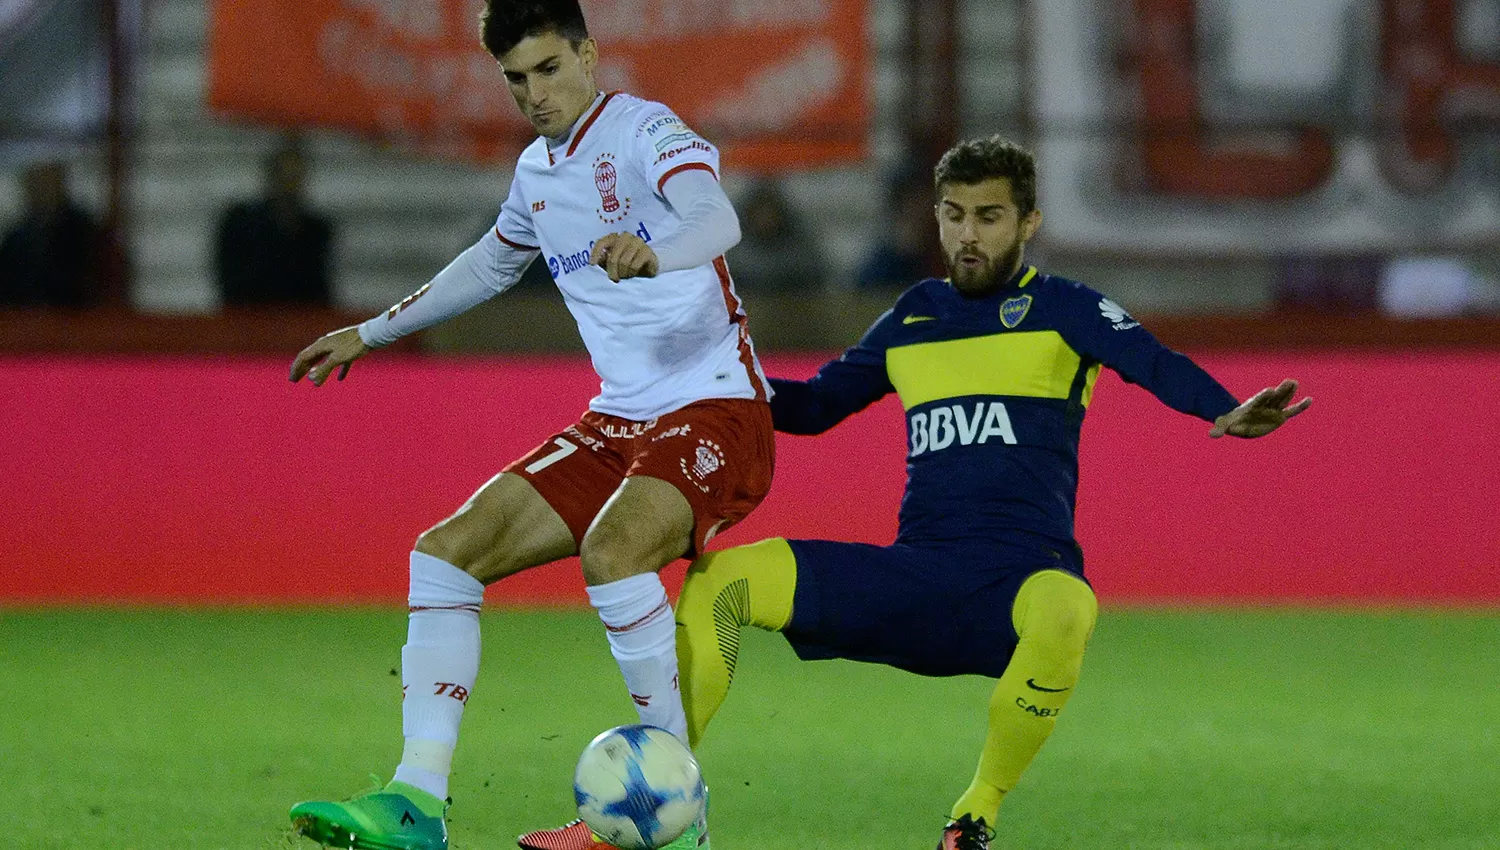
(1101, 329)
(1266, 411)
(486, 269)
(842, 387)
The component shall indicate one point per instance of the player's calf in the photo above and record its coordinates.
(1054, 615)
(724, 592)
(646, 524)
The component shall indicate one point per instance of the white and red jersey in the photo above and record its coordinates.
(657, 343)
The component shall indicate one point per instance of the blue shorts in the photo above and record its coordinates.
(932, 610)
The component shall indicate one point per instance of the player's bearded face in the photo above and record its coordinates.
(974, 271)
(982, 233)
(551, 81)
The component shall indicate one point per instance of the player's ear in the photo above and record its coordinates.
(1030, 224)
(588, 54)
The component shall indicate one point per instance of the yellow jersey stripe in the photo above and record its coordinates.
(1035, 364)
(1030, 273)
(1088, 384)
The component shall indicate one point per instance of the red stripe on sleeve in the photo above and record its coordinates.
(686, 166)
(516, 245)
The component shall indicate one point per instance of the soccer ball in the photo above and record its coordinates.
(638, 787)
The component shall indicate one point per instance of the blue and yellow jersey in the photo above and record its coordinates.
(995, 390)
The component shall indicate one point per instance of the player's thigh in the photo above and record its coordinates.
(505, 527)
(645, 525)
(538, 509)
(535, 511)
(720, 454)
(933, 612)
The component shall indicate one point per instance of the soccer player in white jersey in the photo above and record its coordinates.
(622, 200)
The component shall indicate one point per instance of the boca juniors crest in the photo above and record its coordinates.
(1014, 310)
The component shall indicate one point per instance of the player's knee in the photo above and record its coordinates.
(612, 551)
(751, 585)
(442, 544)
(1062, 624)
(473, 546)
(1062, 612)
(706, 580)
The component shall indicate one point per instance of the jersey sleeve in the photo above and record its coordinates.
(1101, 329)
(486, 269)
(708, 228)
(842, 387)
(513, 225)
(665, 145)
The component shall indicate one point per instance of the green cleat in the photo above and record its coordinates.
(396, 817)
(696, 838)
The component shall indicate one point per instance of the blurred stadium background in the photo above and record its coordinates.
(1280, 188)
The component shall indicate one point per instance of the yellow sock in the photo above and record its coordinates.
(724, 592)
(1054, 615)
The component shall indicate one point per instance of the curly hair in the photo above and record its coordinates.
(978, 160)
(504, 23)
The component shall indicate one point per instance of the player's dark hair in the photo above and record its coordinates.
(504, 23)
(978, 160)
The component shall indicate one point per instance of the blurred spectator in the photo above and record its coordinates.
(904, 253)
(50, 257)
(1332, 283)
(776, 253)
(275, 250)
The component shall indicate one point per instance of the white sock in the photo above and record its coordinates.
(643, 639)
(438, 666)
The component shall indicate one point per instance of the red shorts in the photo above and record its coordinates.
(719, 453)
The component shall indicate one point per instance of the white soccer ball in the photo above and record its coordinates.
(638, 787)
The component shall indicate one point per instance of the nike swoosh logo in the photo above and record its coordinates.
(911, 320)
(1031, 683)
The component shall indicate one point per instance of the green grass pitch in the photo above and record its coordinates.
(1214, 729)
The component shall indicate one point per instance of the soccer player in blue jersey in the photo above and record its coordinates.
(996, 368)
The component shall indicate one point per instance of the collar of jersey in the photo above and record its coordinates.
(569, 143)
(1019, 280)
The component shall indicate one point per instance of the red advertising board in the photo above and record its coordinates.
(191, 481)
(777, 84)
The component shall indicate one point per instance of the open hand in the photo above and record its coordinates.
(624, 255)
(1266, 411)
(331, 351)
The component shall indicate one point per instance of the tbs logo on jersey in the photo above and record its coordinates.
(937, 428)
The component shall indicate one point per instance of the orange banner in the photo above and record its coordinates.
(778, 84)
